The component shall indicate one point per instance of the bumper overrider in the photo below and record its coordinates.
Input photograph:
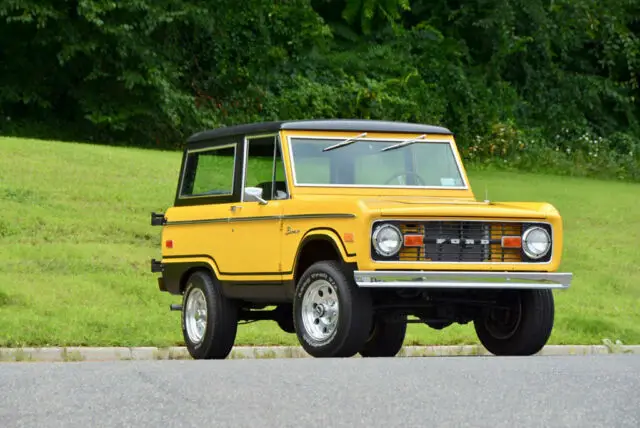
(463, 280)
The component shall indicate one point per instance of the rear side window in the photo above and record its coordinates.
(209, 172)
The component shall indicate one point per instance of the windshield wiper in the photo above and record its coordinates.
(404, 143)
(345, 142)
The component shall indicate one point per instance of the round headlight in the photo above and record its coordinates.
(387, 240)
(536, 242)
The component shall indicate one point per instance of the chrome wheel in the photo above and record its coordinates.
(196, 315)
(320, 310)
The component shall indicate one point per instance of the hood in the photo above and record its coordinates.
(428, 207)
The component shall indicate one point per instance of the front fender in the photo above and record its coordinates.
(327, 234)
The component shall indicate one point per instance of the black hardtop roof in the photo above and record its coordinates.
(318, 125)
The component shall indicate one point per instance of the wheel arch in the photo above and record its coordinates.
(317, 245)
(176, 274)
(192, 269)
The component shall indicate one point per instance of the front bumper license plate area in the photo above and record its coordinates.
(463, 280)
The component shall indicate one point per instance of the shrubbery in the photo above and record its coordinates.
(526, 83)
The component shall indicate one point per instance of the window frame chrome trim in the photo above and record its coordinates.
(208, 149)
(245, 159)
(449, 141)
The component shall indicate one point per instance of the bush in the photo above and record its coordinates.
(534, 84)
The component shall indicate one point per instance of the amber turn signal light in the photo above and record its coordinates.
(413, 241)
(511, 242)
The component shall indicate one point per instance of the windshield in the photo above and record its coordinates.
(375, 163)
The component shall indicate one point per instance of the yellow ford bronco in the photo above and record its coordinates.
(344, 231)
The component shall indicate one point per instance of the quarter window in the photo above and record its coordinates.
(210, 172)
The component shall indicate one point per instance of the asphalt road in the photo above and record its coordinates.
(587, 391)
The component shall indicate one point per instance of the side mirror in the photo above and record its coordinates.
(254, 194)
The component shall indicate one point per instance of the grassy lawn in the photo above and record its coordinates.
(75, 245)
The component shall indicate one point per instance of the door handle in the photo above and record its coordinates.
(235, 208)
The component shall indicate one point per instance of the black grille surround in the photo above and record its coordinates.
(462, 241)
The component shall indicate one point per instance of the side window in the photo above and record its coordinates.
(209, 172)
(265, 168)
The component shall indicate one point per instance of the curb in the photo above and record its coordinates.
(69, 354)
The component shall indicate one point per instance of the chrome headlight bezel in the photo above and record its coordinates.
(527, 250)
(376, 245)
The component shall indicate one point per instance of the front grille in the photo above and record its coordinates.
(460, 241)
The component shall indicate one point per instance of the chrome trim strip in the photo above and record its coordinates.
(243, 178)
(266, 217)
(463, 280)
(208, 220)
(258, 218)
(381, 186)
(284, 167)
(297, 216)
(364, 186)
(426, 219)
(272, 196)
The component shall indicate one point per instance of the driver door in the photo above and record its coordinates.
(256, 225)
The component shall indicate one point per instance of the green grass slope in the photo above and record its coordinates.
(75, 245)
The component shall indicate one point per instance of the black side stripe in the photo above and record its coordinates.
(259, 218)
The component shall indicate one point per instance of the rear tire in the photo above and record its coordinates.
(386, 339)
(523, 329)
(332, 316)
(209, 320)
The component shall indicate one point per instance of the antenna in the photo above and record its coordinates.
(486, 194)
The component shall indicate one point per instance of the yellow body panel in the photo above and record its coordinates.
(257, 240)
(192, 238)
(254, 242)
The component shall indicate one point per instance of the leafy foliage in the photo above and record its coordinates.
(552, 74)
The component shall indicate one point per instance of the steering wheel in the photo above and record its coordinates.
(407, 174)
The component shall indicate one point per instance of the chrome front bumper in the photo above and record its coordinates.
(463, 280)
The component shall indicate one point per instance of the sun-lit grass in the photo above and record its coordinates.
(75, 245)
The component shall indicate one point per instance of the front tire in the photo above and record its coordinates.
(522, 329)
(386, 339)
(209, 319)
(332, 316)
